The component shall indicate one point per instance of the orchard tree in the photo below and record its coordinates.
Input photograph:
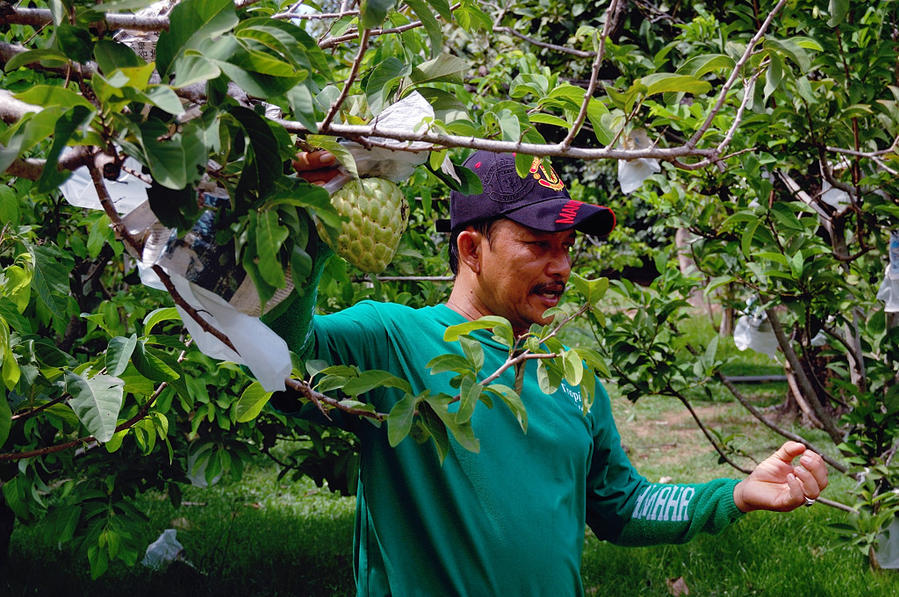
(765, 131)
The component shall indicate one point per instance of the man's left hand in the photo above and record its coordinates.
(777, 485)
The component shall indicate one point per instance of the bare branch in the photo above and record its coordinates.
(804, 382)
(542, 44)
(614, 7)
(722, 96)
(779, 430)
(708, 434)
(335, 107)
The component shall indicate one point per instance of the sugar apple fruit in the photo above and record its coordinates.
(377, 214)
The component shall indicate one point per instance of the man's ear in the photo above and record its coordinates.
(469, 248)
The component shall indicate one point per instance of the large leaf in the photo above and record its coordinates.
(51, 277)
(270, 235)
(66, 126)
(118, 354)
(251, 402)
(430, 23)
(445, 68)
(52, 95)
(192, 22)
(374, 12)
(97, 402)
(664, 82)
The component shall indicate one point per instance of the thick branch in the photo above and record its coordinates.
(594, 75)
(722, 96)
(801, 376)
(780, 431)
(708, 434)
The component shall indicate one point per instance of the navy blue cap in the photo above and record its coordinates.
(539, 200)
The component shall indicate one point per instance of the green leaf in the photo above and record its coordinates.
(76, 43)
(449, 362)
(699, 66)
(191, 22)
(46, 57)
(52, 95)
(774, 75)
(375, 378)
(429, 22)
(265, 163)
(473, 350)
(51, 277)
(193, 68)
(149, 362)
(111, 55)
(158, 316)
(374, 12)
(399, 420)
(668, 82)
(118, 354)
(251, 402)
(303, 105)
(748, 236)
(573, 367)
(838, 9)
(513, 401)
(164, 98)
(461, 432)
(270, 235)
(445, 68)
(65, 127)
(469, 392)
(97, 402)
(454, 332)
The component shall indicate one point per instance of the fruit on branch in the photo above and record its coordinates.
(376, 215)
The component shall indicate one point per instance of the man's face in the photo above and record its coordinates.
(524, 272)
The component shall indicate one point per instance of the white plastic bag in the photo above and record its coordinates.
(632, 173)
(889, 288)
(127, 191)
(887, 552)
(395, 162)
(753, 331)
(165, 550)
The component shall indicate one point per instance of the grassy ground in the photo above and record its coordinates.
(258, 537)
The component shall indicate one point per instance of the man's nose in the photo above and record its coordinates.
(560, 263)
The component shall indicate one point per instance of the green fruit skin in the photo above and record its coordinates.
(376, 215)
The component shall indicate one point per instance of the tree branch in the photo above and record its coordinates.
(722, 96)
(614, 7)
(804, 382)
(780, 431)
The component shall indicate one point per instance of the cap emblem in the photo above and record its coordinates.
(549, 179)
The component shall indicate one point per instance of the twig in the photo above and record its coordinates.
(594, 76)
(707, 433)
(722, 96)
(354, 70)
(542, 44)
(801, 376)
(782, 432)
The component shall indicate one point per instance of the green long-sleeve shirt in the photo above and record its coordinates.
(509, 519)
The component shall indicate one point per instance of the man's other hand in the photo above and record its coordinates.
(777, 485)
(317, 167)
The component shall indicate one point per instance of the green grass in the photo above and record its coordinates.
(259, 537)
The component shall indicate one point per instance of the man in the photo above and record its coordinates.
(510, 519)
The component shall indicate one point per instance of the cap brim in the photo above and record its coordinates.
(554, 215)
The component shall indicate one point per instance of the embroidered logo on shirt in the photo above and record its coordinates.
(667, 503)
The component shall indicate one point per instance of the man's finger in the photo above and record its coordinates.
(313, 160)
(810, 488)
(789, 451)
(814, 464)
